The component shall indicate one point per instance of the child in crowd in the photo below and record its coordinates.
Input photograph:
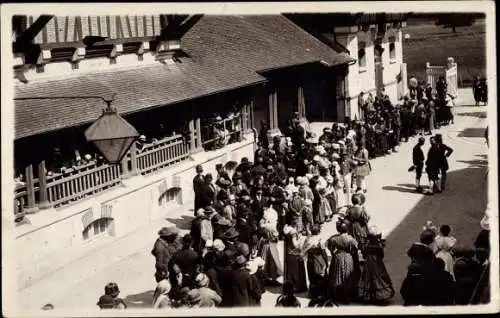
(110, 298)
(445, 244)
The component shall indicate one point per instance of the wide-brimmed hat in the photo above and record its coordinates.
(335, 156)
(224, 182)
(374, 230)
(168, 231)
(223, 221)
(202, 280)
(336, 146)
(219, 245)
(231, 233)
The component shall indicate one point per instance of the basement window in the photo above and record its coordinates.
(98, 228)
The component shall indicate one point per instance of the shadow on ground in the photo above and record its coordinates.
(461, 205)
(183, 223)
(142, 300)
(472, 133)
(482, 114)
(406, 188)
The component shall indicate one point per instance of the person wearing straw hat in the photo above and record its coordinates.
(208, 297)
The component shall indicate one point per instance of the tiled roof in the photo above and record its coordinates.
(226, 53)
(259, 42)
(135, 90)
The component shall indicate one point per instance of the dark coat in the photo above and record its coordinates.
(418, 156)
(207, 195)
(238, 287)
(198, 184)
(188, 261)
(442, 288)
(163, 253)
(416, 288)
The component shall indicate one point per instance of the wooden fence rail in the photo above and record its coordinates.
(86, 180)
(162, 154)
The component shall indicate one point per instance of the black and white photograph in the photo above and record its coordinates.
(292, 158)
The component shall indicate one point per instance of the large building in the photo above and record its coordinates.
(172, 77)
(375, 40)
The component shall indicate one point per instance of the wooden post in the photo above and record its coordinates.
(275, 109)
(271, 111)
(125, 174)
(42, 177)
(30, 186)
(198, 135)
(133, 159)
(192, 142)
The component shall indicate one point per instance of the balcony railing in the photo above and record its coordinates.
(80, 182)
(161, 154)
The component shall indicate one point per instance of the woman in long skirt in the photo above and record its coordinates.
(358, 219)
(342, 275)
(268, 251)
(317, 262)
(330, 196)
(295, 270)
(325, 209)
(375, 285)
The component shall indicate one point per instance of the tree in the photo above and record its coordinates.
(454, 20)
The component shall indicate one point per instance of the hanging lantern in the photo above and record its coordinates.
(112, 135)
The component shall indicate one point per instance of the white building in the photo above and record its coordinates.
(375, 41)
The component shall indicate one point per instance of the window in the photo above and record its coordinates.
(169, 196)
(361, 55)
(392, 49)
(98, 228)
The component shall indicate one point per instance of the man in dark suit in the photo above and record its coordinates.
(418, 162)
(198, 184)
(208, 192)
(258, 204)
(238, 287)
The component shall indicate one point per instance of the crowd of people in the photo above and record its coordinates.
(443, 273)
(288, 193)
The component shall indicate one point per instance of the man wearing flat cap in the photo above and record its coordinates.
(163, 250)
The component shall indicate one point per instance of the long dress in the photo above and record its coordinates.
(295, 270)
(359, 224)
(444, 246)
(342, 272)
(330, 196)
(317, 263)
(375, 284)
(268, 251)
(325, 209)
(340, 194)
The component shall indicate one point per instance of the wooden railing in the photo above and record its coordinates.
(162, 154)
(82, 182)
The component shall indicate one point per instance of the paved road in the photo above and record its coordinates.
(391, 201)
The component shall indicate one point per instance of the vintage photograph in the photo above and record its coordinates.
(174, 161)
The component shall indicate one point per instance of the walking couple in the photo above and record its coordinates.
(436, 164)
